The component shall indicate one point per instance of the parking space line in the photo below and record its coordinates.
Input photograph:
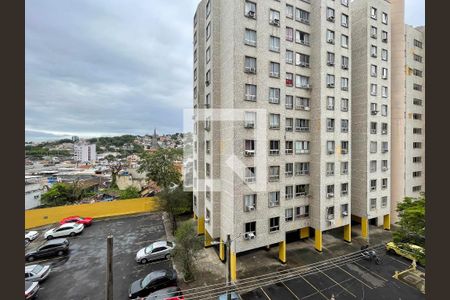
(314, 287)
(371, 272)
(355, 277)
(290, 291)
(265, 293)
(337, 283)
(399, 261)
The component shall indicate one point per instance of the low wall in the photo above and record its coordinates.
(44, 216)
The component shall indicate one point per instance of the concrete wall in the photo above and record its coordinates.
(45, 216)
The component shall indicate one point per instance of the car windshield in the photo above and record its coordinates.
(170, 244)
(37, 269)
(147, 279)
(148, 249)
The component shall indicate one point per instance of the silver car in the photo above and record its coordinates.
(36, 272)
(156, 250)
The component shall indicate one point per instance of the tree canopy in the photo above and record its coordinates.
(159, 167)
(412, 221)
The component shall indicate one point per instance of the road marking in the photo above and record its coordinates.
(336, 283)
(314, 287)
(371, 272)
(265, 293)
(397, 260)
(291, 291)
(354, 277)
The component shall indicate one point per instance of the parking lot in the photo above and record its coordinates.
(82, 273)
(358, 279)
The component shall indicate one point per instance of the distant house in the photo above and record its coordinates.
(131, 177)
(33, 191)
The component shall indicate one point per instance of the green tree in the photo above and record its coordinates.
(412, 221)
(188, 243)
(62, 194)
(175, 202)
(130, 192)
(160, 167)
(115, 165)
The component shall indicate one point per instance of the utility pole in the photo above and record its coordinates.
(109, 268)
(228, 266)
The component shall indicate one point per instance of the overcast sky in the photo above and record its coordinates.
(111, 67)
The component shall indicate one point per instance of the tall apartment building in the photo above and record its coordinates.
(371, 120)
(84, 152)
(272, 110)
(408, 109)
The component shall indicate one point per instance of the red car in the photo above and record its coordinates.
(77, 219)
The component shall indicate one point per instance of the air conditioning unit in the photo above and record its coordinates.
(384, 40)
(345, 213)
(275, 22)
(207, 220)
(374, 112)
(274, 74)
(303, 64)
(345, 67)
(288, 128)
(384, 168)
(330, 18)
(384, 150)
(251, 14)
(305, 21)
(330, 63)
(330, 217)
(249, 152)
(307, 86)
(345, 88)
(344, 151)
(249, 236)
(330, 195)
(250, 70)
(249, 125)
(331, 41)
(384, 131)
(250, 97)
(251, 208)
(307, 108)
(330, 152)
(330, 85)
(373, 55)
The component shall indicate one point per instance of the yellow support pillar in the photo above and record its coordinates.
(195, 217)
(282, 252)
(233, 265)
(208, 239)
(222, 250)
(387, 222)
(304, 232)
(348, 233)
(200, 225)
(364, 227)
(318, 240)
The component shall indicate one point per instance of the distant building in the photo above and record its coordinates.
(33, 192)
(84, 153)
(75, 139)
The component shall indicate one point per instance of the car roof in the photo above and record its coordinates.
(29, 268)
(159, 244)
(66, 225)
(56, 242)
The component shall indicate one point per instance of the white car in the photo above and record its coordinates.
(36, 272)
(31, 235)
(64, 230)
(156, 250)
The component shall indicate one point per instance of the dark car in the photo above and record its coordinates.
(31, 289)
(170, 293)
(56, 247)
(154, 281)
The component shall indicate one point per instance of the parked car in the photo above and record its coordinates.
(56, 247)
(156, 250)
(234, 296)
(31, 235)
(154, 281)
(408, 251)
(31, 289)
(64, 230)
(36, 272)
(170, 293)
(77, 219)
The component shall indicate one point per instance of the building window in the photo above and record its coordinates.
(250, 229)
(274, 121)
(344, 20)
(208, 78)
(344, 41)
(302, 16)
(417, 73)
(274, 95)
(274, 69)
(274, 44)
(208, 147)
(384, 54)
(302, 212)
(249, 147)
(416, 174)
(274, 199)
(384, 73)
(289, 124)
(373, 166)
(373, 13)
(250, 9)
(274, 173)
(330, 58)
(384, 18)
(301, 168)
(416, 188)
(384, 147)
(417, 58)
(250, 92)
(289, 34)
(274, 17)
(330, 147)
(289, 169)
(373, 32)
(301, 103)
(302, 37)
(330, 36)
(384, 91)
(330, 14)
(344, 147)
(330, 190)
(250, 65)
(373, 51)
(274, 147)
(330, 213)
(330, 169)
(384, 110)
(417, 130)
(207, 193)
(208, 30)
(289, 147)
(249, 119)
(384, 128)
(344, 168)
(274, 224)
(384, 36)
(302, 125)
(373, 184)
(250, 174)
(344, 83)
(384, 183)
(330, 102)
(301, 60)
(250, 37)
(373, 203)
(344, 62)
(301, 190)
(330, 80)
(208, 8)
(249, 202)
(289, 214)
(344, 189)
(373, 70)
(289, 11)
(344, 125)
(344, 209)
(373, 127)
(344, 104)
(344, 2)
(289, 57)
(373, 89)
(417, 44)
(330, 124)
(384, 201)
(289, 102)
(373, 147)
(302, 82)
(289, 192)
(301, 147)
(384, 165)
